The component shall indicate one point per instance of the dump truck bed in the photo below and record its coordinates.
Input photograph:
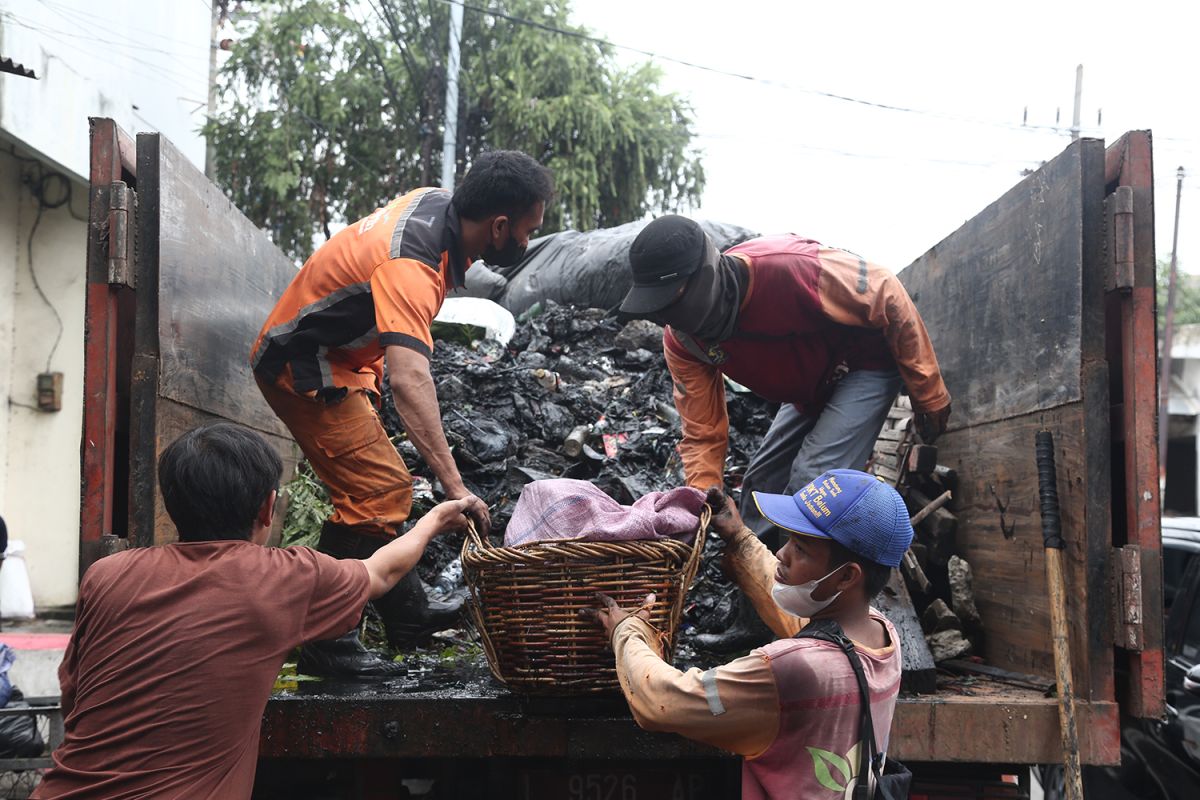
(1042, 311)
(980, 720)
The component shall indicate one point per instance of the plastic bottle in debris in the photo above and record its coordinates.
(547, 378)
(576, 439)
(449, 579)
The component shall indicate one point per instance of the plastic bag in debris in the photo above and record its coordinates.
(589, 269)
(19, 737)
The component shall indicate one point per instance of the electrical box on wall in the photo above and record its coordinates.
(49, 391)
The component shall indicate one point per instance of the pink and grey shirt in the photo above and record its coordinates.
(791, 707)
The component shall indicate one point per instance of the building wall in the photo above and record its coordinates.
(142, 62)
(39, 482)
(145, 64)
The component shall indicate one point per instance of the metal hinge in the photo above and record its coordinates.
(1122, 258)
(1127, 595)
(121, 202)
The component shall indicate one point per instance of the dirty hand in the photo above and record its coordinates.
(452, 515)
(610, 615)
(477, 511)
(931, 424)
(726, 520)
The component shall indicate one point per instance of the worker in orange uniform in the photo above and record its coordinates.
(819, 330)
(365, 298)
(791, 708)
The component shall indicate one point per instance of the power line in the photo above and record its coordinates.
(88, 37)
(746, 77)
(95, 20)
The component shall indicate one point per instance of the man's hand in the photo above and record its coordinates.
(395, 559)
(609, 615)
(932, 424)
(726, 520)
(477, 511)
(452, 515)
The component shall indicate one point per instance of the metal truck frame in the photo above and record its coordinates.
(1042, 309)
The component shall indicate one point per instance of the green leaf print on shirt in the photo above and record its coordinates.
(824, 759)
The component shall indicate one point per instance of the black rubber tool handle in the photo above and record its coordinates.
(1048, 490)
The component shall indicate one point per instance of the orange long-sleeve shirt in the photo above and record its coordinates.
(773, 706)
(810, 314)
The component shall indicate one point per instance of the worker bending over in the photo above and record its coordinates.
(176, 648)
(819, 330)
(791, 707)
(366, 296)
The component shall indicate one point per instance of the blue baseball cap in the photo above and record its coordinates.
(854, 509)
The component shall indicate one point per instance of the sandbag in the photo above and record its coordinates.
(589, 269)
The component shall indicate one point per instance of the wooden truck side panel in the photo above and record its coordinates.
(1033, 329)
(1013, 301)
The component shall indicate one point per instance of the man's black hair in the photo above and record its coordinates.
(215, 478)
(875, 575)
(504, 182)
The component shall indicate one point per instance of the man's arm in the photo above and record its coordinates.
(734, 707)
(416, 402)
(396, 559)
(699, 393)
(407, 295)
(864, 295)
(750, 564)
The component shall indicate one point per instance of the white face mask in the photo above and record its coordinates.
(798, 600)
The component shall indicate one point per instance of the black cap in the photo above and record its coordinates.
(664, 255)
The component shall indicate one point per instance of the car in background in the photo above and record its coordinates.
(1160, 759)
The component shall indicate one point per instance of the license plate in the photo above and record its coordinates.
(600, 784)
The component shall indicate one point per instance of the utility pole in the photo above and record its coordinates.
(1164, 375)
(450, 131)
(210, 152)
(1078, 102)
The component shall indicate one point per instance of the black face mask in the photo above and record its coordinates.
(708, 307)
(508, 256)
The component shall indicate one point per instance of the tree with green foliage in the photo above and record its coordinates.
(331, 108)
(1187, 295)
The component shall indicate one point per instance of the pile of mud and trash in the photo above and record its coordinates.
(536, 378)
(575, 394)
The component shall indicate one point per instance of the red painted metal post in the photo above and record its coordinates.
(112, 159)
(1129, 162)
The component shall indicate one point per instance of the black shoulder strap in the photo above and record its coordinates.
(829, 630)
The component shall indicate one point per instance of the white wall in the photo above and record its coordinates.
(142, 62)
(39, 487)
(145, 64)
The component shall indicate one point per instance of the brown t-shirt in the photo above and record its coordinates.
(173, 656)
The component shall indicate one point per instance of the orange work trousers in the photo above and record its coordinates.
(348, 448)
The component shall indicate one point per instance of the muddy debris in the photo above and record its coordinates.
(962, 594)
(574, 394)
(946, 645)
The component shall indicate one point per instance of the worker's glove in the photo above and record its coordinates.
(726, 520)
(932, 424)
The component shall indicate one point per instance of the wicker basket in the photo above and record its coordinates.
(526, 600)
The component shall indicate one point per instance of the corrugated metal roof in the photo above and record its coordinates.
(8, 65)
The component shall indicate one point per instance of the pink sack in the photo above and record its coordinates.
(562, 509)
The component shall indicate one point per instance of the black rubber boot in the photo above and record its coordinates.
(410, 617)
(345, 656)
(746, 632)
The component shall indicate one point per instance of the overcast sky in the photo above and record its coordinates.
(887, 184)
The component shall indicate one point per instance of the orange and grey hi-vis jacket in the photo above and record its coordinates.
(810, 315)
